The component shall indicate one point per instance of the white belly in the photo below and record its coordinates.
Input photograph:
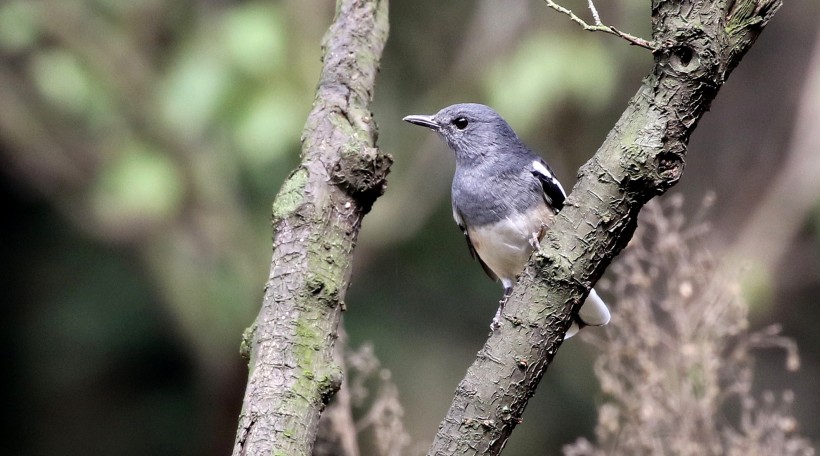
(506, 245)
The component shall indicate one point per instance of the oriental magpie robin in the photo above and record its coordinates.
(504, 197)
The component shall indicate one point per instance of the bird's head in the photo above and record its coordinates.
(473, 131)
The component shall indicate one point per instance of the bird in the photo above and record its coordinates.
(504, 198)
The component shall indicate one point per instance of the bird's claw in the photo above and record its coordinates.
(497, 318)
(534, 242)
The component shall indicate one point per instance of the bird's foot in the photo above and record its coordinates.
(534, 241)
(496, 324)
(497, 319)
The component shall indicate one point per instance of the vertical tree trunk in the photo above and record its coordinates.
(698, 43)
(316, 220)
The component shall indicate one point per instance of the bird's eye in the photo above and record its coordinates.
(460, 123)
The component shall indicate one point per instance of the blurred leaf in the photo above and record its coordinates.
(18, 28)
(140, 187)
(63, 80)
(270, 126)
(195, 88)
(254, 37)
(548, 69)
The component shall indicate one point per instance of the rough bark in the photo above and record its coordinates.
(698, 44)
(316, 220)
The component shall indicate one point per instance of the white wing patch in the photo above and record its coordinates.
(540, 168)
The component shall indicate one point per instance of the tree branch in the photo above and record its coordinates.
(316, 219)
(600, 27)
(699, 43)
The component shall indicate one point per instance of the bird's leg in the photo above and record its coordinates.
(497, 319)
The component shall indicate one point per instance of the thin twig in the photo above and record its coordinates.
(594, 13)
(600, 27)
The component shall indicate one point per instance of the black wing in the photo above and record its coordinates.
(553, 191)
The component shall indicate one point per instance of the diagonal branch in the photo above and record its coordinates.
(600, 27)
(316, 218)
(641, 158)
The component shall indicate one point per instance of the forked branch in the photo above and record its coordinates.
(599, 26)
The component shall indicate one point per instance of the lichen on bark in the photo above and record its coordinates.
(291, 195)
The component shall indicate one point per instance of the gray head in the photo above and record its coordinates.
(473, 131)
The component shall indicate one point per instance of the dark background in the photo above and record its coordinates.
(142, 142)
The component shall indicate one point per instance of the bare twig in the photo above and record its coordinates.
(594, 12)
(600, 27)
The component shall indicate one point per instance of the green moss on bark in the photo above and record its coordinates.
(291, 195)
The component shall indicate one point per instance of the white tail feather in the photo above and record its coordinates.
(594, 312)
(573, 330)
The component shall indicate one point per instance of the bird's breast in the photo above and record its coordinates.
(482, 197)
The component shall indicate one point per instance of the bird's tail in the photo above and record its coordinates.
(594, 312)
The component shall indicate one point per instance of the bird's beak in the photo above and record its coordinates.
(424, 121)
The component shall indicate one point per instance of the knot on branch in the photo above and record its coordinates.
(670, 167)
(688, 43)
(655, 173)
(323, 289)
(362, 173)
(689, 54)
(683, 59)
(330, 383)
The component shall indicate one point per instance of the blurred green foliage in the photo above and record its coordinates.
(18, 29)
(547, 70)
(139, 186)
(142, 143)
